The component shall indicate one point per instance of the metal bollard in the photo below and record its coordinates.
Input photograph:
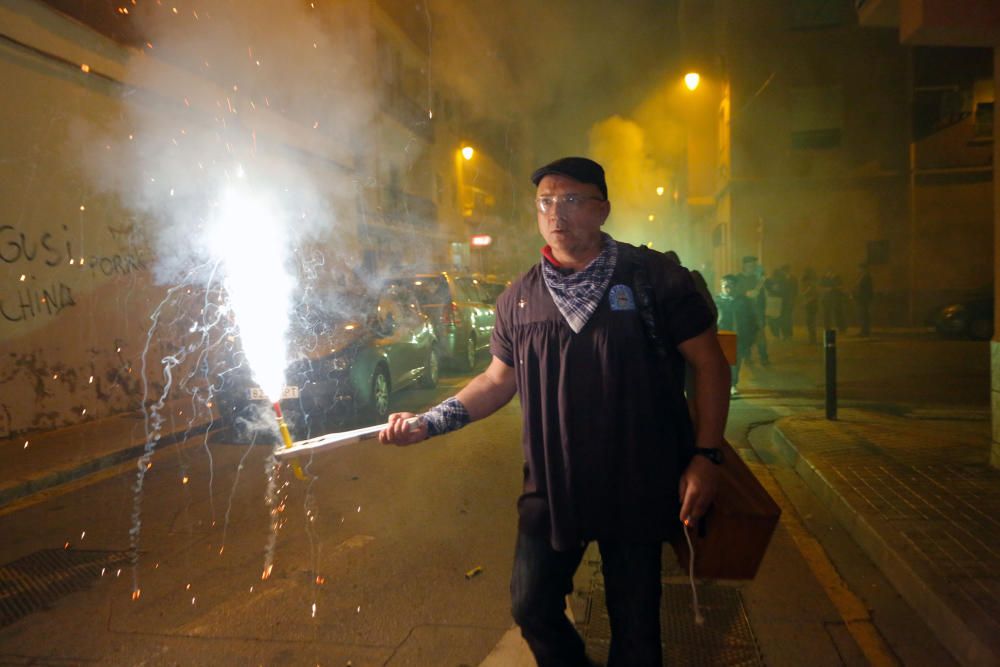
(830, 353)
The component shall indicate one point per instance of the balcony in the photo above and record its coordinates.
(407, 113)
(878, 13)
(402, 208)
(935, 22)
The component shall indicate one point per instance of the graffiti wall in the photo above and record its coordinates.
(88, 313)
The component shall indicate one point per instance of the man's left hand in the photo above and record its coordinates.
(697, 489)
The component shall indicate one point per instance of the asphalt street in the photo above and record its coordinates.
(401, 556)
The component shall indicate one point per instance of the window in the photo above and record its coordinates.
(878, 252)
(466, 289)
(816, 116)
(984, 120)
(813, 14)
(432, 290)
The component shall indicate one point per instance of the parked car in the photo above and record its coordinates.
(347, 366)
(462, 313)
(492, 288)
(971, 317)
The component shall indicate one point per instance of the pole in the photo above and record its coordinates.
(912, 259)
(830, 354)
(911, 191)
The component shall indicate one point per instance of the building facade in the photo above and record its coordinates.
(816, 157)
(974, 24)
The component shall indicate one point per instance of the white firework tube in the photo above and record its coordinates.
(335, 440)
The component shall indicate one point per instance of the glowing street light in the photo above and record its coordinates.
(691, 80)
(468, 152)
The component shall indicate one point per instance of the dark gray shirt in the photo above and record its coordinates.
(604, 422)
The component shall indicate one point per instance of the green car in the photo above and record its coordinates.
(463, 314)
(345, 370)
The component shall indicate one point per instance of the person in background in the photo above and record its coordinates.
(810, 301)
(699, 282)
(752, 286)
(706, 271)
(864, 293)
(610, 452)
(832, 300)
(774, 302)
(788, 305)
(736, 314)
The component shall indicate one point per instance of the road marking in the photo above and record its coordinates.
(850, 607)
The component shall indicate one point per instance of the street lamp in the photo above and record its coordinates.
(466, 203)
(691, 80)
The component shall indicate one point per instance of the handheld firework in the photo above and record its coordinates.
(332, 440)
(286, 439)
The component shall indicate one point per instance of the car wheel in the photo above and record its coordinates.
(429, 379)
(980, 329)
(469, 358)
(380, 394)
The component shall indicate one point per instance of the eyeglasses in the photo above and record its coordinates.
(571, 202)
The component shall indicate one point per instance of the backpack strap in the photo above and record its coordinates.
(645, 301)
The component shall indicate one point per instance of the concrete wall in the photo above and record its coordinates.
(75, 267)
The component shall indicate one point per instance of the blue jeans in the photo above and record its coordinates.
(543, 578)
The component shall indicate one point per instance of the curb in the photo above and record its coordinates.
(54, 478)
(919, 588)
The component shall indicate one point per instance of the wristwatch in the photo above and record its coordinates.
(713, 454)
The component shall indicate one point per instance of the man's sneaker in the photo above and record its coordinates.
(733, 391)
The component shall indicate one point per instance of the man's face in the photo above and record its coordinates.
(727, 288)
(571, 227)
(750, 268)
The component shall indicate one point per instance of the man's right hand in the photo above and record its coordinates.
(398, 432)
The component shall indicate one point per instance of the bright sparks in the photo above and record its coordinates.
(246, 236)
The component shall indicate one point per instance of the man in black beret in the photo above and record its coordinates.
(594, 339)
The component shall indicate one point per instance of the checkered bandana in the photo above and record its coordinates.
(449, 415)
(578, 294)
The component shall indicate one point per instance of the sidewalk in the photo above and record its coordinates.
(919, 497)
(34, 462)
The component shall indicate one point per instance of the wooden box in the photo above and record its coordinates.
(727, 341)
(730, 541)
